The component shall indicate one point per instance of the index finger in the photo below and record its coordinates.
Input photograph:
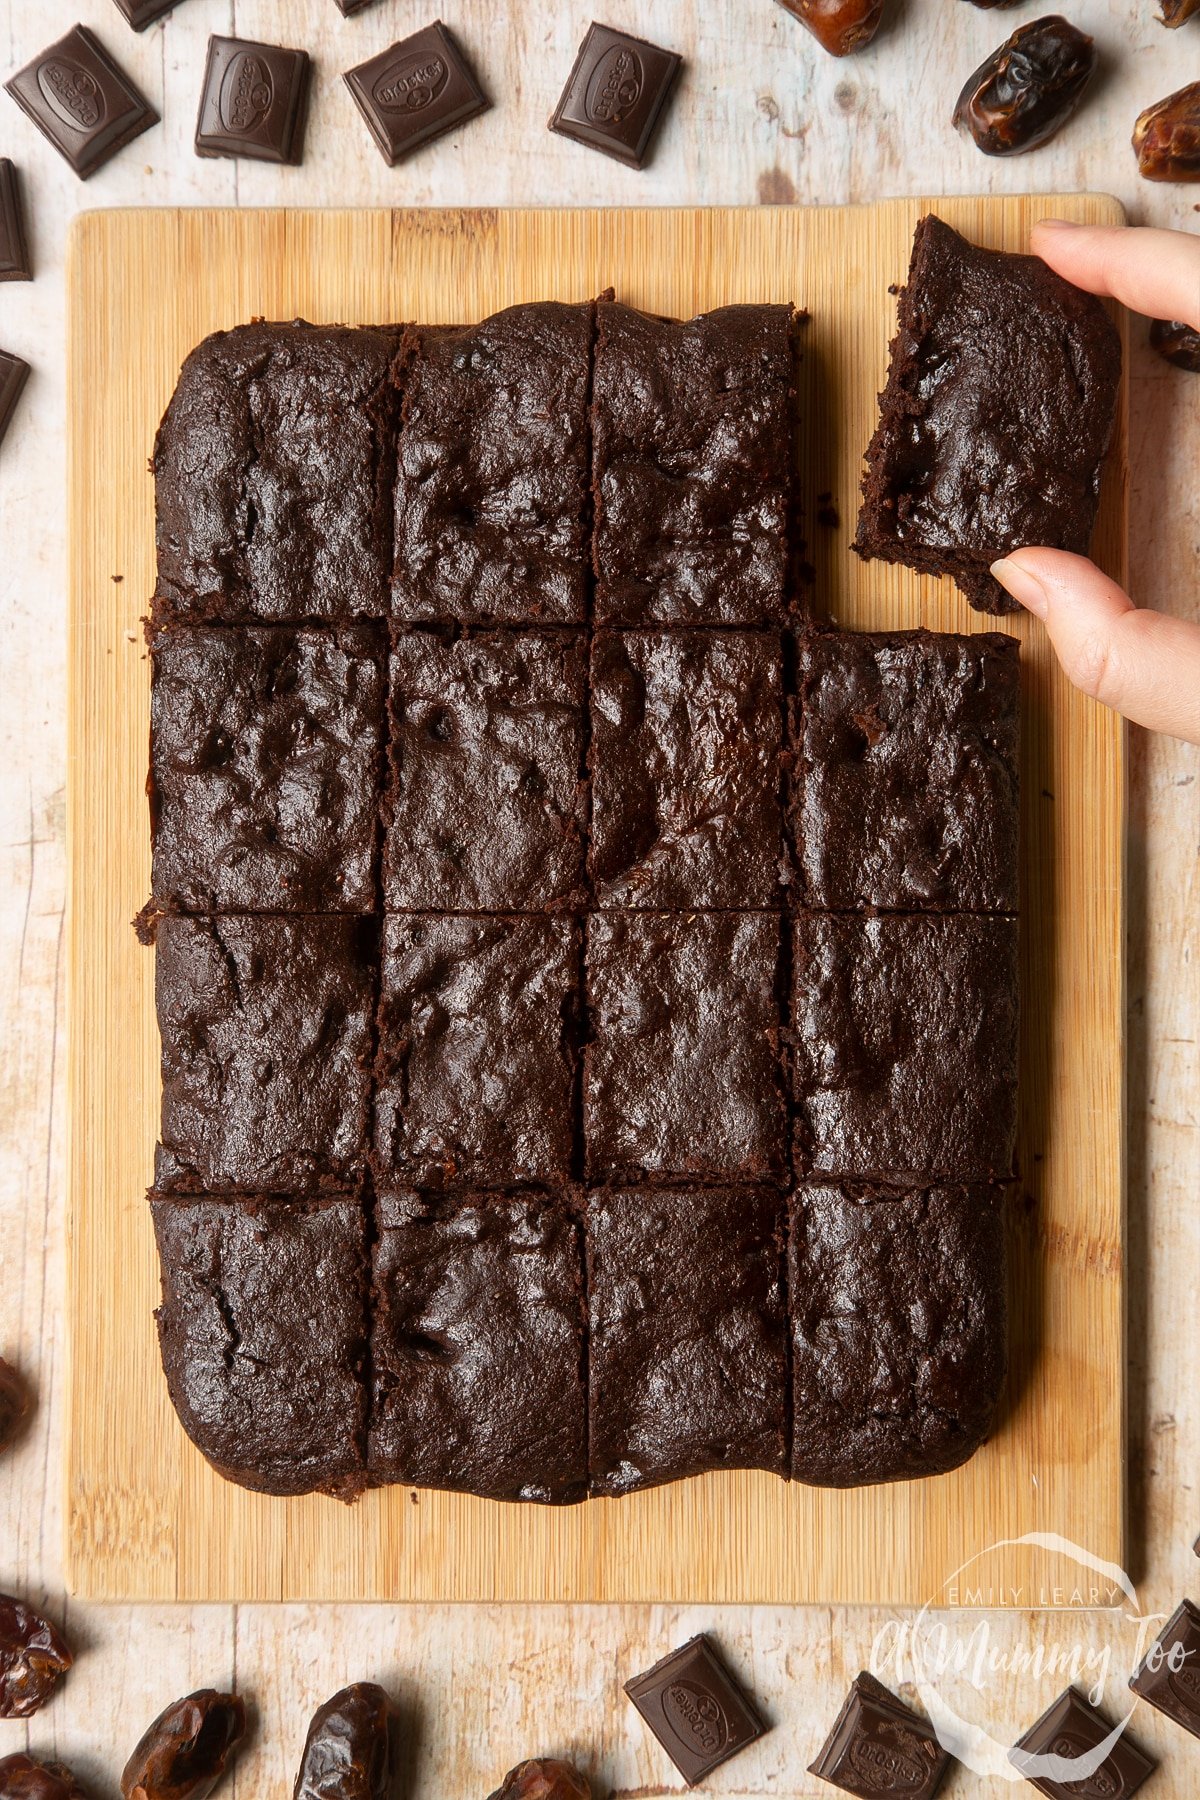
(1154, 272)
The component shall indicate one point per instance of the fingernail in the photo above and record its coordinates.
(1057, 225)
(1022, 586)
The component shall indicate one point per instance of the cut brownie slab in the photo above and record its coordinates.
(998, 411)
(267, 1033)
(686, 763)
(477, 1346)
(265, 768)
(492, 477)
(680, 1071)
(898, 1321)
(687, 1356)
(905, 1051)
(262, 1330)
(904, 789)
(692, 466)
(476, 1065)
(487, 801)
(273, 473)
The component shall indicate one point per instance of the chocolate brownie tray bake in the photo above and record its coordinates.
(587, 987)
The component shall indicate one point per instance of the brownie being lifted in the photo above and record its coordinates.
(998, 411)
(692, 466)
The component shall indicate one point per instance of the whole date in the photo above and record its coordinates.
(839, 26)
(14, 1403)
(1177, 343)
(351, 1749)
(1167, 137)
(34, 1657)
(183, 1754)
(543, 1779)
(1174, 12)
(1028, 88)
(23, 1777)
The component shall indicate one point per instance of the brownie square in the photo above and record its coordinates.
(476, 1065)
(262, 1330)
(266, 768)
(273, 472)
(905, 1047)
(687, 740)
(692, 429)
(478, 1346)
(487, 801)
(998, 412)
(266, 1027)
(687, 1353)
(680, 1070)
(898, 1322)
(492, 470)
(904, 794)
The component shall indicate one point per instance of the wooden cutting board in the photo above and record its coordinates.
(146, 1518)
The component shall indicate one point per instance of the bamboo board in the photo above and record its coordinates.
(146, 1517)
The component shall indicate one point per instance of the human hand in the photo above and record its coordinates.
(1145, 664)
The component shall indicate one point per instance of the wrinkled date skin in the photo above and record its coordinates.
(1177, 343)
(351, 1748)
(1167, 137)
(1028, 88)
(1174, 12)
(182, 1756)
(14, 1403)
(34, 1657)
(990, 5)
(543, 1779)
(839, 26)
(22, 1777)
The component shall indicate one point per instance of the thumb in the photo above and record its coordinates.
(1144, 664)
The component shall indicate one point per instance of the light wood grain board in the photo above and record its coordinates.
(146, 1517)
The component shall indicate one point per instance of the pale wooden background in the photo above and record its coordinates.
(762, 116)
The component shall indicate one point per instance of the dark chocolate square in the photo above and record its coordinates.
(254, 101)
(904, 789)
(1068, 1731)
(418, 90)
(266, 752)
(996, 418)
(266, 1027)
(616, 94)
(897, 1304)
(695, 1709)
(687, 1339)
(686, 748)
(487, 802)
(878, 1746)
(477, 1050)
(140, 13)
(14, 373)
(680, 1070)
(273, 475)
(1169, 1674)
(262, 1330)
(492, 470)
(905, 1052)
(14, 252)
(81, 101)
(692, 466)
(477, 1347)
(348, 7)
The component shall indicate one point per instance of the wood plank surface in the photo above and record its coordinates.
(146, 1517)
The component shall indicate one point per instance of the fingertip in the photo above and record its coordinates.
(1021, 584)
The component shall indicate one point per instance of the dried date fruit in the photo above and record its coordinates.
(14, 1403)
(1028, 88)
(34, 1657)
(23, 1777)
(839, 26)
(182, 1755)
(351, 1749)
(543, 1779)
(1167, 137)
(990, 5)
(1179, 344)
(1174, 12)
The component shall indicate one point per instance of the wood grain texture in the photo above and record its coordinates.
(147, 1518)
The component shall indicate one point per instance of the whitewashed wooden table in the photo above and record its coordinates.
(762, 115)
